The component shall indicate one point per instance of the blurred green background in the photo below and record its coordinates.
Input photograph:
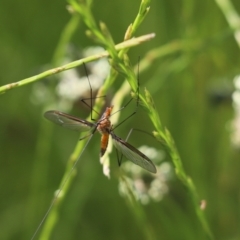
(191, 88)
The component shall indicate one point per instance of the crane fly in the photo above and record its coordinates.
(104, 127)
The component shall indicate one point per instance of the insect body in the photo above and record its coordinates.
(104, 127)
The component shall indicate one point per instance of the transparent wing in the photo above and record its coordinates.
(68, 121)
(132, 154)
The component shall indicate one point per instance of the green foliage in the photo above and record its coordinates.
(183, 71)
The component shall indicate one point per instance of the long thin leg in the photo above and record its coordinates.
(90, 87)
(138, 87)
(119, 157)
(83, 101)
(91, 96)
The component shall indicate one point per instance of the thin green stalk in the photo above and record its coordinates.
(164, 136)
(142, 13)
(231, 16)
(127, 44)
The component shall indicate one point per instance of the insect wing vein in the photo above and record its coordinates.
(132, 154)
(68, 121)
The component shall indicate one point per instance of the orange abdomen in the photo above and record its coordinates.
(104, 143)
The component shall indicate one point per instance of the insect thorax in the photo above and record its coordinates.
(104, 126)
